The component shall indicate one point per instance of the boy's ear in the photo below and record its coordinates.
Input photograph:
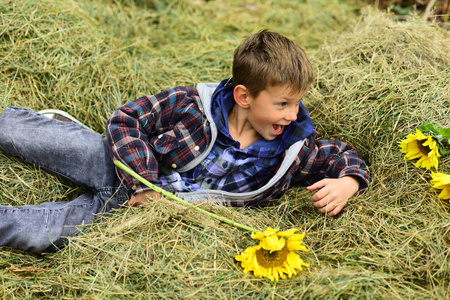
(241, 96)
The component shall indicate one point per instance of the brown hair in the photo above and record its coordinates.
(267, 59)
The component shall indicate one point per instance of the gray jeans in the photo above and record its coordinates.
(71, 151)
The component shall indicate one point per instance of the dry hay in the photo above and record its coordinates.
(375, 83)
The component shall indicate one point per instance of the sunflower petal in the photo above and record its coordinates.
(295, 241)
(288, 232)
(441, 181)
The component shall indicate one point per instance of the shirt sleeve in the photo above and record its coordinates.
(132, 126)
(330, 159)
(127, 135)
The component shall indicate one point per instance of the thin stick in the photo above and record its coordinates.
(178, 199)
(428, 9)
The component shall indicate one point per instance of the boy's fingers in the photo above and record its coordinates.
(336, 210)
(318, 185)
(321, 195)
(134, 202)
(143, 198)
(331, 209)
(321, 202)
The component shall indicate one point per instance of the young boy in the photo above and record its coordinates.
(241, 142)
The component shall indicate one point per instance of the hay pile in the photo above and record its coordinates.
(375, 83)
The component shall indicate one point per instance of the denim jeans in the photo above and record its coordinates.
(67, 149)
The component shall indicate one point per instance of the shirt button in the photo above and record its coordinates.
(134, 187)
(174, 166)
(196, 148)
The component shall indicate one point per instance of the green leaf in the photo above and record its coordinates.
(444, 151)
(444, 147)
(445, 132)
(428, 127)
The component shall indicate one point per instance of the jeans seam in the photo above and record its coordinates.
(47, 218)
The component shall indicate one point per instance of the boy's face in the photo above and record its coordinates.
(273, 109)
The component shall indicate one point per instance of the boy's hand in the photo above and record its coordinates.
(333, 193)
(142, 198)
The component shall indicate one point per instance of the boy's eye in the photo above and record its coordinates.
(282, 104)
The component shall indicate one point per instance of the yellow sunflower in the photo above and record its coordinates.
(274, 257)
(422, 147)
(441, 181)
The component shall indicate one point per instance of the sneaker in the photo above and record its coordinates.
(60, 115)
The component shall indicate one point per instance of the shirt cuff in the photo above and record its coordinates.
(137, 187)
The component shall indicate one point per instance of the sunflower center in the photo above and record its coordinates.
(424, 149)
(271, 260)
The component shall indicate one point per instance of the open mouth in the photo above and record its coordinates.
(277, 129)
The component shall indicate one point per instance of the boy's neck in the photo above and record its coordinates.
(239, 127)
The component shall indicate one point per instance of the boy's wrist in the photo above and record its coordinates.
(360, 175)
(353, 181)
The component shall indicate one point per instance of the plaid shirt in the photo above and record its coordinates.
(225, 168)
(169, 130)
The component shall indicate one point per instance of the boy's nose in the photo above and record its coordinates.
(292, 115)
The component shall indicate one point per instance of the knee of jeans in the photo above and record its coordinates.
(7, 116)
